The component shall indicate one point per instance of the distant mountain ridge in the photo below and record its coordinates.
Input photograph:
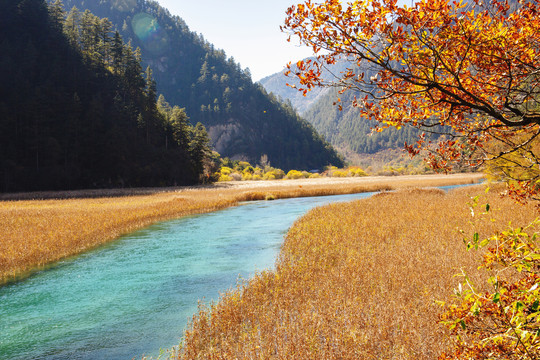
(242, 119)
(277, 85)
(344, 129)
(281, 85)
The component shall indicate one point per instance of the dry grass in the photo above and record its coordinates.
(353, 281)
(35, 233)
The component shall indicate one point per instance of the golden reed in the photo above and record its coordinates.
(354, 280)
(36, 233)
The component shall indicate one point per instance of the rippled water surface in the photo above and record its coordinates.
(134, 296)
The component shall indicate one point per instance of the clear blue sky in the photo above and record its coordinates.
(247, 30)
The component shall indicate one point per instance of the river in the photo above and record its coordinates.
(136, 295)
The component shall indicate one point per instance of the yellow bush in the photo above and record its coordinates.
(242, 165)
(256, 177)
(224, 177)
(339, 173)
(314, 176)
(247, 176)
(274, 174)
(294, 174)
(225, 170)
(357, 171)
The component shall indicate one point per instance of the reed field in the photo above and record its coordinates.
(356, 280)
(37, 233)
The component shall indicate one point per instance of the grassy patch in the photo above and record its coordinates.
(36, 233)
(354, 281)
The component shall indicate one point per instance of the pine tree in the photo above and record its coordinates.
(57, 14)
(199, 147)
(71, 27)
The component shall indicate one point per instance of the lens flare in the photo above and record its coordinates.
(150, 33)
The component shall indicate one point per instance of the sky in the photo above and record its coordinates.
(247, 30)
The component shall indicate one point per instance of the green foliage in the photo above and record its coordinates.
(241, 165)
(503, 322)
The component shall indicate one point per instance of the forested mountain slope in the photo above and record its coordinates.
(78, 111)
(278, 84)
(242, 119)
(345, 129)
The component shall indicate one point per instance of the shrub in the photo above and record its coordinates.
(242, 165)
(294, 174)
(224, 177)
(502, 323)
(258, 171)
(339, 173)
(357, 171)
(236, 176)
(225, 170)
(278, 173)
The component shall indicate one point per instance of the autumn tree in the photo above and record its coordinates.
(466, 69)
(469, 70)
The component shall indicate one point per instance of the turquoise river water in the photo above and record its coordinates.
(136, 295)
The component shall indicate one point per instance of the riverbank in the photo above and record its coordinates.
(357, 280)
(37, 233)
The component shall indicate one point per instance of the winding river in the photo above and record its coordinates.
(135, 295)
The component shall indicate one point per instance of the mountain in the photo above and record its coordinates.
(242, 119)
(344, 129)
(77, 110)
(347, 130)
(278, 84)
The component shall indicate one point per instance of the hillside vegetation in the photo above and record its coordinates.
(244, 122)
(77, 109)
(333, 116)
